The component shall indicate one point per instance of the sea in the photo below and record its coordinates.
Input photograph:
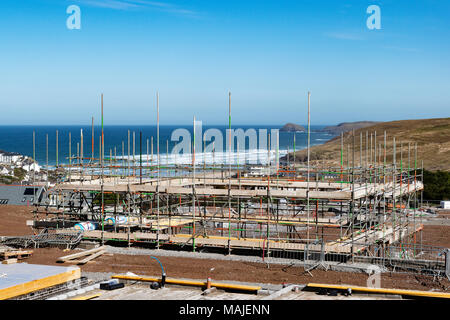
(19, 139)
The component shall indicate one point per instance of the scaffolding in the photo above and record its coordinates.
(350, 209)
(283, 208)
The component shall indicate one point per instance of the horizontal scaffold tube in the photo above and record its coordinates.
(194, 283)
(411, 293)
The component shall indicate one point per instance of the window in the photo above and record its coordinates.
(30, 191)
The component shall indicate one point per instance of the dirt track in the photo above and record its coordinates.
(14, 218)
(236, 271)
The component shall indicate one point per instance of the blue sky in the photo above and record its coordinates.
(269, 54)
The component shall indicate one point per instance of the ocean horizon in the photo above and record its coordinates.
(19, 139)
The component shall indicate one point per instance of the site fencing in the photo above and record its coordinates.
(417, 259)
(46, 238)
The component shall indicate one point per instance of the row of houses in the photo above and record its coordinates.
(24, 193)
(9, 157)
(9, 161)
(12, 159)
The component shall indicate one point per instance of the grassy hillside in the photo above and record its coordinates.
(348, 126)
(431, 135)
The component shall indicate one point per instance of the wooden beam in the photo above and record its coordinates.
(87, 259)
(80, 254)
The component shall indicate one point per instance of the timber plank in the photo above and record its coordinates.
(80, 254)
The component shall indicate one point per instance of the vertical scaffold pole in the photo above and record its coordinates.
(128, 158)
(34, 164)
(157, 187)
(46, 154)
(56, 148)
(352, 206)
(102, 185)
(140, 157)
(193, 191)
(70, 157)
(308, 158)
(92, 139)
(133, 163)
(229, 173)
(81, 154)
(394, 178)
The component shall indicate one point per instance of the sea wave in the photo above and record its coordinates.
(256, 156)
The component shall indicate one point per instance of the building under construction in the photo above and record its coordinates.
(363, 208)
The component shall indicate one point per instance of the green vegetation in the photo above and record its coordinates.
(109, 199)
(437, 185)
(8, 179)
(20, 173)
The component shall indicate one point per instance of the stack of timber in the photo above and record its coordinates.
(82, 257)
(7, 253)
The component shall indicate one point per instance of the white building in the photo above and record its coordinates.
(8, 158)
(5, 158)
(445, 205)
(32, 167)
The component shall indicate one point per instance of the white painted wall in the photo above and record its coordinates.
(445, 204)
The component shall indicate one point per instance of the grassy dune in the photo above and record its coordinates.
(431, 135)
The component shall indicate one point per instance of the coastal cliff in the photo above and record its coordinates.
(292, 127)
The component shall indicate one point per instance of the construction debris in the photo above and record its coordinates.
(111, 285)
(46, 238)
(86, 256)
(7, 253)
(16, 253)
(9, 261)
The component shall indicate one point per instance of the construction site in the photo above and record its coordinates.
(283, 210)
(364, 214)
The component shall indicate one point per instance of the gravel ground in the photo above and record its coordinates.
(195, 255)
(337, 266)
(97, 276)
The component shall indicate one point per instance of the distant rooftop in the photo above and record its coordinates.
(7, 153)
(20, 195)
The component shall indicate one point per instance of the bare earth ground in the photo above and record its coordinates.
(14, 218)
(445, 214)
(436, 236)
(237, 271)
